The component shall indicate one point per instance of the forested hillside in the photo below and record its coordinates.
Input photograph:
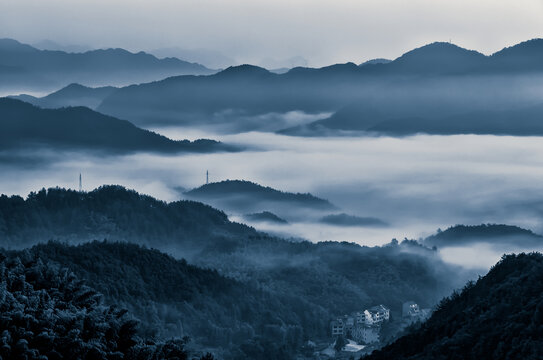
(48, 313)
(291, 290)
(175, 299)
(498, 317)
(111, 212)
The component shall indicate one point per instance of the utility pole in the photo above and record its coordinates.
(80, 183)
(207, 177)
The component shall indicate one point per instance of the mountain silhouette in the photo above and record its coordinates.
(39, 70)
(243, 196)
(265, 216)
(438, 58)
(490, 233)
(435, 81)
(71, 95)
(24, 126)
(524, 57)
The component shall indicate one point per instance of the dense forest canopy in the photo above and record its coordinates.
(48, 313)
(498, 317)
(291, 290)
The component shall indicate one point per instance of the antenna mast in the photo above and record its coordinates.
(80, 183)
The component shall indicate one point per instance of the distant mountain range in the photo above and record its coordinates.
(439, 88)
(24, 68)
(496, 234)
(24, 126)
(362, 119)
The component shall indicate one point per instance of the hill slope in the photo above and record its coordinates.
(241, 196)
(111, 212)
(175, 299)
(48, 313)
(489, 233)
(71, 95)
(498, 317)
(24, 126)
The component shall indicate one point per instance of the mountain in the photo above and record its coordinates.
(43, 70)
(517, 122)
(498, 317)
(115, 213)
(265, 216)
(524, 57)
(364, 118)
(48, 313)
(71, 95)
(489, 233)
(439, 80)
(438, 58)
(351, 220)
(23, 125)
(244, 196)
(173, 299)
(335, 277)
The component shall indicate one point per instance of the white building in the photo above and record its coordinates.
(410, 309)
(361, 326)
(412, 312)
(366, 334)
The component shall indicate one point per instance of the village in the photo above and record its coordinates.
(361, 332)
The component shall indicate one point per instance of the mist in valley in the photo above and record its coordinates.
(414, 185)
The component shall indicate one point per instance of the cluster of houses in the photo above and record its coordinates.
(362, 327)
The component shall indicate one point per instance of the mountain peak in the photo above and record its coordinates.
(439, 57)
(440, 48)
(244, 69)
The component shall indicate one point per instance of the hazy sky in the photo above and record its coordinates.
(322, 31)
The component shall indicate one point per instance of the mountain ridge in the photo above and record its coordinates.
(50, 69)
(418, 83)
(24, 126)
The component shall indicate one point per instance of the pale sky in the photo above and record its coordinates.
(322, 31)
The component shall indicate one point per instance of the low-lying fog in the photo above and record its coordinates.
(415, 184)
